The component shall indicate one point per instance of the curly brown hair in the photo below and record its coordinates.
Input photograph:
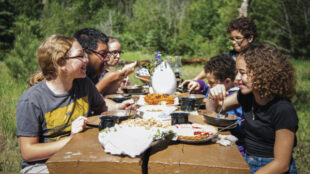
(244, 25)
(222, 66)
(272, 72)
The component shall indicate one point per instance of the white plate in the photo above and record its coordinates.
(157, 111)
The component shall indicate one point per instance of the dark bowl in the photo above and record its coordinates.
(191, 102)
(107, 122)
(179, 118)
(118, 98)
(121, 114)
(132, 89)
(223, 121)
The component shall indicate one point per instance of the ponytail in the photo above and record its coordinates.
(35, 78)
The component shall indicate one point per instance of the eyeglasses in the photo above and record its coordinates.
(80, 57)
(103, 55)
(114, 53)
(236, 39)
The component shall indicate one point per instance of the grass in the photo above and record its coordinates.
(11, 90)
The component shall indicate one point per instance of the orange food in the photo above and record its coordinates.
(157, 99)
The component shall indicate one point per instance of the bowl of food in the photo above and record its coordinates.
(137, 89)
(191, 102)
(222, 121)
(118, 98)
(156, 111)
(179, 118)
(120, 114)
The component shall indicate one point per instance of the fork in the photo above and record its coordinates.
(134, 102)
(219, 113)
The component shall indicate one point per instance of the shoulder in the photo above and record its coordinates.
(34, 93)
(284, 114)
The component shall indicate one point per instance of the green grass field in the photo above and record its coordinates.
(11, 90)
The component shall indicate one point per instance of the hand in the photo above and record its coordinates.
(218, 92)
(78, 125)
(184, 83)
(193, 86)
(125, 82)
(128, 104)
(129, 68)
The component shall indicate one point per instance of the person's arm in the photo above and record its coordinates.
(218, 93)
(200, 76)
(113, 76)
(112, 105)
(109, 78)
(283, 148)
(32, 150)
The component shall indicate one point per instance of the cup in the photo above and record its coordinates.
(179, 118)
(107, 122)
(185, 87)
(188, 104)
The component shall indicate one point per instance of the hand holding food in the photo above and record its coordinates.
(129, 68)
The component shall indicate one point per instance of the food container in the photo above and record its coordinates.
(179, 118)
(132, 89)
(222, 121)
(156, 111)
(121, 114)
(107, 121)
(191, 102)
(118, 98)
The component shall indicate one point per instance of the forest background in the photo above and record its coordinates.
(188, 28)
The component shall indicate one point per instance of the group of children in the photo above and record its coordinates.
(257, 82)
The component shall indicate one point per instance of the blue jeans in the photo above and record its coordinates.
(256, 163)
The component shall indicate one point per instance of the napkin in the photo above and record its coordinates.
(131, 141)
(226, 140)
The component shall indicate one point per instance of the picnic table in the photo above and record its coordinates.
(84, 154)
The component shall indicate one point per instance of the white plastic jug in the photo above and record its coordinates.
(163, 79)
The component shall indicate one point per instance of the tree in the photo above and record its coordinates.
(284, 24)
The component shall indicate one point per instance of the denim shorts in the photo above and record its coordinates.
(256, 163)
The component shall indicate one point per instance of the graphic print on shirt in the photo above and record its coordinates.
(58, 122)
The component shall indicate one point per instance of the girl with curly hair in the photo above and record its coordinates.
(267, 82)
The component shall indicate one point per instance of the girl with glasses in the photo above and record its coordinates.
(56, 106)
(114, 79)
(242, 33)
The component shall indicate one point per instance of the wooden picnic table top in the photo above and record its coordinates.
(84, 154)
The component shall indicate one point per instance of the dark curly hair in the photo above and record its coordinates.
(244, 25)
(272, 72)
(222, 66)
(89, 38)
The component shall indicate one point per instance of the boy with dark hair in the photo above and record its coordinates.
(220, 69)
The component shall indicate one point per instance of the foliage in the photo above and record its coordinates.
(21, 60)
(285, 24)
(10, 91)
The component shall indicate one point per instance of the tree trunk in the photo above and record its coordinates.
(243, 10)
